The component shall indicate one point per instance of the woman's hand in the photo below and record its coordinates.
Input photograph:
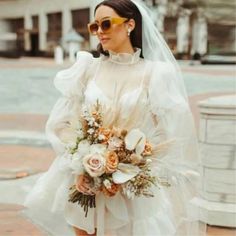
(83, 185)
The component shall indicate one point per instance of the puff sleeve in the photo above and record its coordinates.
(71, 83)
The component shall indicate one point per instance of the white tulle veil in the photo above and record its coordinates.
(182, 166)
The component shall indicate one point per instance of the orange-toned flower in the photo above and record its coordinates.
(105, 132)
(112, 162)
(110, 192)
(147, 149)
(97, 116)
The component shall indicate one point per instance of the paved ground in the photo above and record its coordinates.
(27, 96)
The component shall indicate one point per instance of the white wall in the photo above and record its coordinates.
(15, 9)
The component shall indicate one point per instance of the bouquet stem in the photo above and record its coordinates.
(85, 201)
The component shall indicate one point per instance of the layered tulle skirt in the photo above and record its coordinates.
(115, 215)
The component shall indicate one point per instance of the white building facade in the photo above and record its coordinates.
(40, 26)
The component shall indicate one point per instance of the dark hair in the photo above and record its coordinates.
(127, 9)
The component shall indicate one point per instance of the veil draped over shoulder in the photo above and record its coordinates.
(170, 104)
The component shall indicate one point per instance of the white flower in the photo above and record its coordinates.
(114, 143)
(107, 183)
(76, 158)
(90, 131)
(97, 148)
(94, 164)
(124, 173)
(83, 148)
(91, 121)
(101, 137)
(135, 140)
(96, 124)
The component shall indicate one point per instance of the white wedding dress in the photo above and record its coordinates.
(124, 84)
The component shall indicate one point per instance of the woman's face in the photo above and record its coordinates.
(116, 38)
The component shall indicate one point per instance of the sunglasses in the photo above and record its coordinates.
(105, 24)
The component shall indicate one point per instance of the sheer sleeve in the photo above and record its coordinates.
(174, 115)
(71, 83)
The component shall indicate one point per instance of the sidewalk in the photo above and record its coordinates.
(12, 223)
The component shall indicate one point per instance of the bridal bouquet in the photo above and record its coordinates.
(110, 159)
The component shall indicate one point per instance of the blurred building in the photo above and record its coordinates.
(196, 27)
(190, 27)
(40, 25)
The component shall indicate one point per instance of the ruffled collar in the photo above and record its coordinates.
(125, 58)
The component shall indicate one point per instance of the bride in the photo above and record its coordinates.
(139, 86)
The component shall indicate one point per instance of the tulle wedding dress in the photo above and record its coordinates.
(135, 93)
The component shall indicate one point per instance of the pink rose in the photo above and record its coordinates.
(94, 164)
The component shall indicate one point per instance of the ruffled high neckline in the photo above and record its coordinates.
(125, 58)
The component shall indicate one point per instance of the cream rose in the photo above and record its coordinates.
(94, 164)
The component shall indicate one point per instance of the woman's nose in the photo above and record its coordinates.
(99, 32)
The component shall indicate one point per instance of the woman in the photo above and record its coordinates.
(138, 84)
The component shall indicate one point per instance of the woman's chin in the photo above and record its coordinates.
(106, 47)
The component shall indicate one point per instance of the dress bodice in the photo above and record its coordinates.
(94, 92)
(119, 83)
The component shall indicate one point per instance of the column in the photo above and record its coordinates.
(27, 27)
(66, 21)
(182, 31)
(43, 28)
(200, 35)
(161, 13)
